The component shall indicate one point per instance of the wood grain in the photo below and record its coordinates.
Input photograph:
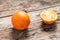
(8, 7)
(37, 30)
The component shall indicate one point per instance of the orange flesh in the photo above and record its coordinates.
(48, 16)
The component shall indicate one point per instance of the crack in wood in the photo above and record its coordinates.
(30, 10)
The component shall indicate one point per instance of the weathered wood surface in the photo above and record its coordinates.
(7, 7)
(36, 31)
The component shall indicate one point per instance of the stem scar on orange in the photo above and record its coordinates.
(48, 16)
(20, 20)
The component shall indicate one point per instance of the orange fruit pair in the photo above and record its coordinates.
(48, 16)
(21, 19)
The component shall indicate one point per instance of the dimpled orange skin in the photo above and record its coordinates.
(51, 21)
(20, 20)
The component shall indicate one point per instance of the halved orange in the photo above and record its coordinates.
(48, 16)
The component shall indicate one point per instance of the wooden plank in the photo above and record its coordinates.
(36, 31)
(35, 14)
(9, 6)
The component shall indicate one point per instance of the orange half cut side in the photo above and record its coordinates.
(48, 16)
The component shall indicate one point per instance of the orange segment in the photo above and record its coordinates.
(48, 16)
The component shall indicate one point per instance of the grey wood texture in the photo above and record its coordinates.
(36, 30)
(7, 7)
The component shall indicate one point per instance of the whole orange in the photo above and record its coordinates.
(48, 16)
(20, 20)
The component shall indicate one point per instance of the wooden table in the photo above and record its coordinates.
(37, 30)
